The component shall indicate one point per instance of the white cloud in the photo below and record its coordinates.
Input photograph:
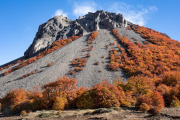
(132, 14)
(60, 12)
(153, 8)
(83, 8)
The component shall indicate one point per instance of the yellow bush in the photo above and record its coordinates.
(23, 113)
(85, 101)
(139, 85)
(126, 103)
(175, 103)
(104, 95)
(128, 100)
(144, 107)
(108, 100)
(59, 103)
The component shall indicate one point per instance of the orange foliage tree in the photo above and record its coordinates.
(63, 87)
(152, 101)
(101, 95)
(139, 85)
(14, 98)
(169, 87)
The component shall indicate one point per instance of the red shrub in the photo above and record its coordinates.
(77, 69)
(26, 75)
(107, 47)
(72, 72)
(157, 101)
(88, 55)
(144, 107)
(92, 37)
(50, 64)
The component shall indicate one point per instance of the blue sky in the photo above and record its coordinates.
(20, 19)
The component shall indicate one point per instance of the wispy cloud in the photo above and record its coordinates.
(153, 8)
(60, 12)
(83, 8)
(132, 13)
(137, 14)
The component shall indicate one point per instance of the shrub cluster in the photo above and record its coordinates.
(92, 37)
(90, 48)
(146, 93)
(55, 95)
(78, 63)
(146, 59)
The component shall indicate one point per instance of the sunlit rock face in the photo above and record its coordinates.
(60, 27)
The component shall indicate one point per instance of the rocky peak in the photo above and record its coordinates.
(102, 20)
(60, 27)
(52, 27)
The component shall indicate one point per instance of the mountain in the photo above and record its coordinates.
(60, 27)
(98, 46)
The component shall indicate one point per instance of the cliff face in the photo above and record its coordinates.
(61, 27)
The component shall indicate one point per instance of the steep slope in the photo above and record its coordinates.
(130, 52)
(62, 59)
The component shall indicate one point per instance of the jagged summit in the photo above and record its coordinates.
(60, 27)
(102, 20)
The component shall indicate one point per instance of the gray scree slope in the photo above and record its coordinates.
(64, 56)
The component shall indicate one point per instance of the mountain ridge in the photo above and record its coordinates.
(60, 27)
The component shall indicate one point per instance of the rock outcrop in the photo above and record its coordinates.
(61, 27)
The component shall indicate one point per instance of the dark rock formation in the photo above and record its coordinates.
(61, 27)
